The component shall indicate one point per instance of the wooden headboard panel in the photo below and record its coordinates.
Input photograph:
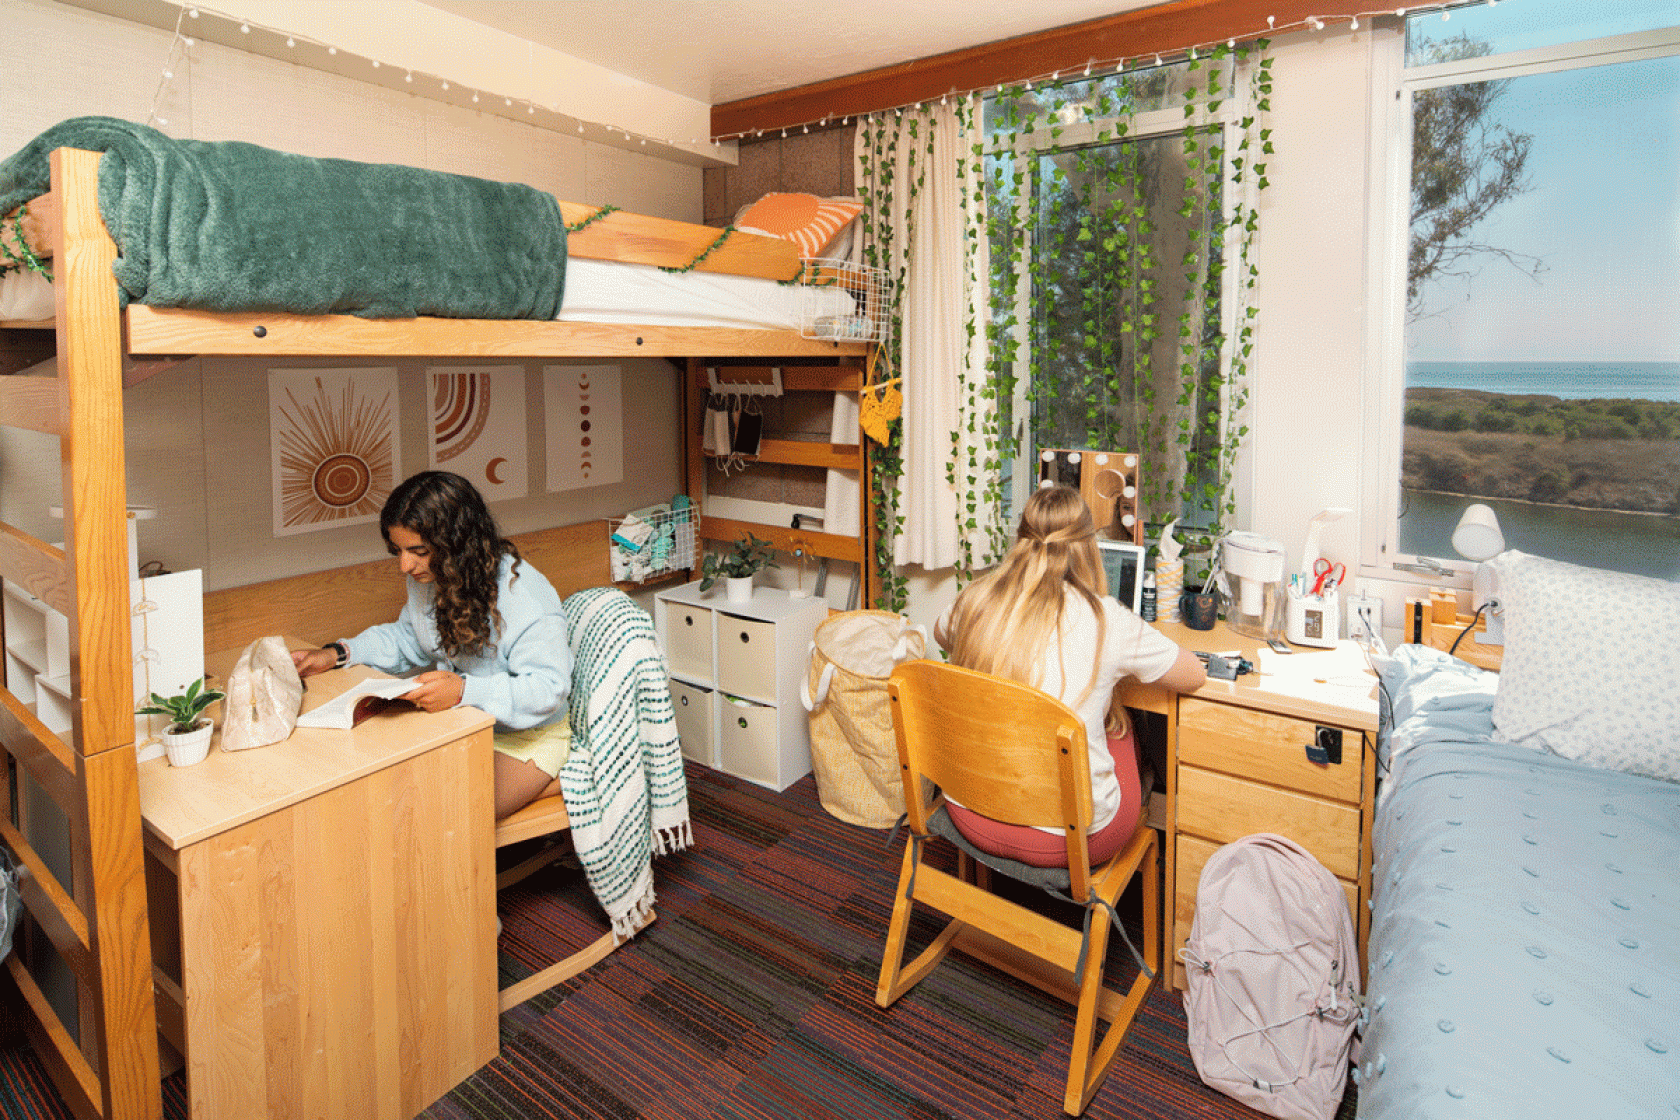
(1436, 622)
(342, 602)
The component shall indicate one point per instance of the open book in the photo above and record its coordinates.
(361, 700)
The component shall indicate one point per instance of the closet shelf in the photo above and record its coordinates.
(805, 453)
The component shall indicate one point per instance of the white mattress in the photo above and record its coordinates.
(599, 292)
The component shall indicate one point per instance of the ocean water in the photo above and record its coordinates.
(1643, 544)
(1650, 381)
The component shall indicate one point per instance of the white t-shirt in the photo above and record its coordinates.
(1131, 647)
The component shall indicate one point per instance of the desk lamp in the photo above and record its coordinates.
(1477, 538)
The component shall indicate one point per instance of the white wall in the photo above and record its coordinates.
(198, 434)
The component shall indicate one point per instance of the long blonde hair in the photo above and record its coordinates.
(1003, 622)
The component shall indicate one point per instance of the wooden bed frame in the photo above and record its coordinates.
(1436, 622)
(98, 921)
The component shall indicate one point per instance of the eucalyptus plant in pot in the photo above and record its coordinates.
(187, 737)
(737, 567)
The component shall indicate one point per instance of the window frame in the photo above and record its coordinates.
(1393, 86)
(1153, 124)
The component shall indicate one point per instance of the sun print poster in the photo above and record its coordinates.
(584, 413)
(335, 446)
(478, 428)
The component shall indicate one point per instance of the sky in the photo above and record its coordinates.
(1603, 212)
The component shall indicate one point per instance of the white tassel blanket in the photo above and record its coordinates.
(623, 782)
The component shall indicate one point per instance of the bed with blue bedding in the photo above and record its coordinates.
(1524, 957)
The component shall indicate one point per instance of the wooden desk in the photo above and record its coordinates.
(1236, 765)
(323, 914)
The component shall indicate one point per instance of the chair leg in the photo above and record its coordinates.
(896, 977)
(1089, 1061)
(561, 971)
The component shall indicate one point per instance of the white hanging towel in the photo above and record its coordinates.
(842, 504)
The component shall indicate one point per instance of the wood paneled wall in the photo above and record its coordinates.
(820, 163)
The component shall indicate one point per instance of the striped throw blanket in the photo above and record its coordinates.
(623, 782)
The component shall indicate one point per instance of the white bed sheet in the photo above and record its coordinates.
(599, 292)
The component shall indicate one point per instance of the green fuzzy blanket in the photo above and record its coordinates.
(225, 226)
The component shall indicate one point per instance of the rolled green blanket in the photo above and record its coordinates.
(228, 226)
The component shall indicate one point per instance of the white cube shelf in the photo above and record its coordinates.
(736, 670)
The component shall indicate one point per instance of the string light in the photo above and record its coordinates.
(1118, 65)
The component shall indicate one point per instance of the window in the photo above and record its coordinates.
(1118, 268)
(1533, 331)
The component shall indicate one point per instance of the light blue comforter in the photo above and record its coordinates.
(1525, 941)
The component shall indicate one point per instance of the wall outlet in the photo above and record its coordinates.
(1364, 617)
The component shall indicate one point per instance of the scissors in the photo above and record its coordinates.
(1327, 575)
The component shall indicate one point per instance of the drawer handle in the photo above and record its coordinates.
(742, 720)
(746, 637)
(684, 701)
(688, 620)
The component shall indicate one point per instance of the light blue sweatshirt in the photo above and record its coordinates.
(523, 678)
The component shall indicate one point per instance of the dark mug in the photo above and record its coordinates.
(1199, 609)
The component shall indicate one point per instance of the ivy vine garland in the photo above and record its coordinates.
(23, 257)
(1121, 280)
(1102, 370)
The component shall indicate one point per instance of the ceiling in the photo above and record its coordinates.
(718, 51)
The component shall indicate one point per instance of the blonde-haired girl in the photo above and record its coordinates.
(1043, 616)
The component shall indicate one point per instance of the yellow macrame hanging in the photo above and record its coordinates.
(879, 402)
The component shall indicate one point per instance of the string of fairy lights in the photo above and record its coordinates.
(436, 86)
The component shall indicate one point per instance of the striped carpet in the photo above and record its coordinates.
(752, 996)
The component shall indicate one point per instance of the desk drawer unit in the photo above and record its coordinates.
(1241, 770)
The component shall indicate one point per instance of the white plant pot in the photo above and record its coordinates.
(189, 748)
(738, 589)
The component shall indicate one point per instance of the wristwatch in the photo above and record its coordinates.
(343, 652)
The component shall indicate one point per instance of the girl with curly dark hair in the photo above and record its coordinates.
(484, 625)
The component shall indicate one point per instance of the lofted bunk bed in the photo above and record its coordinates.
(98, 337)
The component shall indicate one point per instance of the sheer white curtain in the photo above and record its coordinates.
(921, 182)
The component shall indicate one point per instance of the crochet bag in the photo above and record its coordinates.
(853, 752)
(264, 694)
(1272, 979)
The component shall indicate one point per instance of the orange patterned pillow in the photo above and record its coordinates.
(806, 220)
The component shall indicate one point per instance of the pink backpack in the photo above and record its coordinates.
(1272, 979)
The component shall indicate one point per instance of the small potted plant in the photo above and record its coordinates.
(187, 738)
(737, 567)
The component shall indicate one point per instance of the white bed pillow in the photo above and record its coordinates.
(1590, 669)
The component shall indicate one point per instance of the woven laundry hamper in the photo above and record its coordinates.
(853, 753)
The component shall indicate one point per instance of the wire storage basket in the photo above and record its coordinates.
(843, 301)
(652, 542)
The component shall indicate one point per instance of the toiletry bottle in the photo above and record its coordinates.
(1146, 609)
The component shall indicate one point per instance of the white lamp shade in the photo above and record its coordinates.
(1477, 536)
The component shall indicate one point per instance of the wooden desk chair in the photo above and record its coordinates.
(545, 816)
(608, 632)
(1013, 753)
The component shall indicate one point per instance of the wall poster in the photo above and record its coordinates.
(584, 413)
(335, 444)
(478, 428)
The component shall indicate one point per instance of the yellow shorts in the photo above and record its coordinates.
(547, 747)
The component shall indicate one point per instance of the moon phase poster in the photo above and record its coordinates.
(335, 446)
(478, 428)
(584, 411)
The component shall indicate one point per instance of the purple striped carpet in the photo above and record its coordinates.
(752, 996)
